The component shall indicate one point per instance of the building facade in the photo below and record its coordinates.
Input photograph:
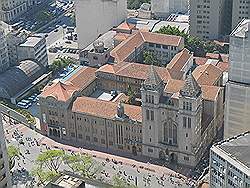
(240, 11)
(163, 8)
(106, 15)
(4, 58)
(10, 10)
(176, 121)
(33, 48)
(237, 107)
(5, 179)
(207, 18)
(229, 162)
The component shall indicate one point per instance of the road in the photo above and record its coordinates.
(142, 174)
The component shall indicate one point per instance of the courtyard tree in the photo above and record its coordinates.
(82, 164)
(150, 58)
(131, 95)
(50, 159)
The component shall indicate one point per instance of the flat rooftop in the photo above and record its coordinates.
(181, 25)
(238, 147)
(98, 94)
(31, 41)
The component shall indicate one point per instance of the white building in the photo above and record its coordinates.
(4, 59)
(230, 163)
(34, 48)
(12, 9)
(237, 108)
(95, 17)
(163, 8)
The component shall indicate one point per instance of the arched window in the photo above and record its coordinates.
(170, 132)
(165, 131)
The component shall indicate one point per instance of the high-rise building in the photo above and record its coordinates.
(207, 18)
(5, 180)
(95, 17)
(12, 9)
(240, 10)
(163, 8)
(4, 59)
(237, 108)
(230, 163)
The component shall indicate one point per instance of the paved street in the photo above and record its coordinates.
(141, 174)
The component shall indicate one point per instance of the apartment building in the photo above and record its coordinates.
(237, 105)
(240, 11)
(5, 179)
(163, 8)
(229, 162)
(14, 38)
(12, 9)
(207, 18)
(103, 16)
(33, 48)
(4, 59)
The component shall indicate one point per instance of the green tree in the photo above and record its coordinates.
(119, 182)
(13, 153)
(82, 164)
(51, 159)
(135, 4)
(149, 58)
(198, 46)
(131, 95)
(43, 175)
(59, 64)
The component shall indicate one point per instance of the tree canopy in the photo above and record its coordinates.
(119, 182)
(198, 46)
(135, 4)
(13, 152)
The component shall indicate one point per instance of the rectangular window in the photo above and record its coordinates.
(189, 122)
(72, 134)
(152, 115)
(184, 122)
(87, 138)
(147, 114)
(95, 139)
(80, 136)
(102, 141)
(150, 150)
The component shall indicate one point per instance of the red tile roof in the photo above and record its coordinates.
(124, 49)
(104, 109)
(207, 74)
(64, 91)
(179, 60)
(137, 71)
(208, 92)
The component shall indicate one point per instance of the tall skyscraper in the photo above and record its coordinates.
(230, 163)
(206, 18)
(240, 10)
(237, 107)
(163, 8)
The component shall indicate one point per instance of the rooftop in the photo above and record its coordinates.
(124, 49)
(104, 109)
(207, 74)
(238, 148)
(137, 71)
(63, 91)
(31, 41)
(242, 29)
